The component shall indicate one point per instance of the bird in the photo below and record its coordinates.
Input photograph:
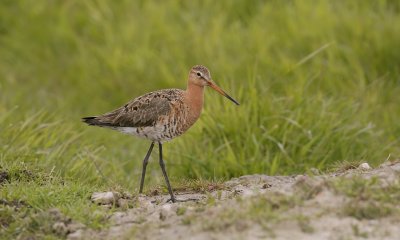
(161, 115)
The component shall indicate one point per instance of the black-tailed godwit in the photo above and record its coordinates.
(161, 115)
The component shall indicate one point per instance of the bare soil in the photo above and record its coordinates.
(349, 204)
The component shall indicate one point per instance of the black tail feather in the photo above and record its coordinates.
(93, 121)
(97, 121)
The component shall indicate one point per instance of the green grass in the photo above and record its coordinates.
(28, 194)
(318, 83)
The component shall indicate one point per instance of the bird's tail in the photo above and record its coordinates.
(92, 121)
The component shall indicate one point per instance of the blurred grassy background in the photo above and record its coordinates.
(318, 83)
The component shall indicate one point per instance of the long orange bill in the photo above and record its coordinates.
(218, 89)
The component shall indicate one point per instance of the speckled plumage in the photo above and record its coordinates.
(158, 116)
(161, 115)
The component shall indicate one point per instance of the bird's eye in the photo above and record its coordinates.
(198, 74)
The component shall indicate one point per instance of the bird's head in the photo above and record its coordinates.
(200, 76)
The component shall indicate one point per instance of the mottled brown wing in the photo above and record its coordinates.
(140, 112)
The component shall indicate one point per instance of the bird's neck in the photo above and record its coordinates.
(195, 98)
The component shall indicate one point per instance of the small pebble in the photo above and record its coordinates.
(105, 197)
(364, 166)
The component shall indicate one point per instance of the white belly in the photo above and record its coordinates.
(156, 133)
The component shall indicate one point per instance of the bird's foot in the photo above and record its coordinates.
(175, 200)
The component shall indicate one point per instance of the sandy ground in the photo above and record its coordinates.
(252, 207)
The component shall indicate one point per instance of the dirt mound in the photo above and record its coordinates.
(357, 203)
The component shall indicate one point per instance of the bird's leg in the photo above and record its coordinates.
(145, 161)
(162, 165)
